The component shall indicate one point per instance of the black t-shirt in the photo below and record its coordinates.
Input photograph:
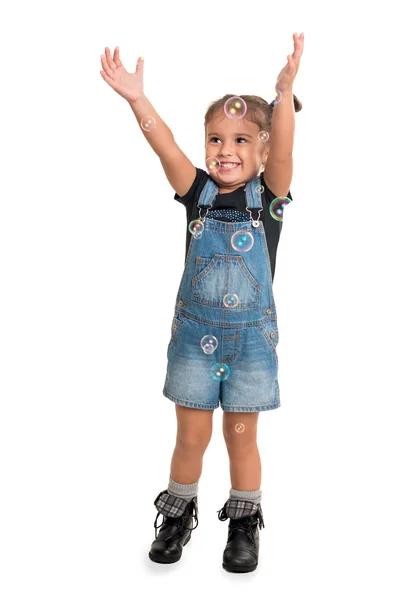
(234, 200)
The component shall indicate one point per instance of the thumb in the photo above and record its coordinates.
(139, 65)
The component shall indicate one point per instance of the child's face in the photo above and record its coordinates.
(234, 141)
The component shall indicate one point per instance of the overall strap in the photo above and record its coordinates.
(253, 197)
(207, 196)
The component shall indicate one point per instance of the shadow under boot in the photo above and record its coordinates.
(175, 529)
(242, 548)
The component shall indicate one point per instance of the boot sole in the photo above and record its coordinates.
(237, 569)
(165, 560)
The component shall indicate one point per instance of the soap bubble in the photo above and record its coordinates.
(259, 189)
(208, 344)
(263, 136)
(242, 240)
(212, 164)
(235, 107)
(239, 427)
(220, 371)
(148, 123)
(276, 207)
(196, 228)
(278, 98)
(230, 300)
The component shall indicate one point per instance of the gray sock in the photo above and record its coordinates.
(182, 490)
(253, 496)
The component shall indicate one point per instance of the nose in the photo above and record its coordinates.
(225, 151)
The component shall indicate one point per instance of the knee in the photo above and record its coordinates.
(192, 442)
(239, 445)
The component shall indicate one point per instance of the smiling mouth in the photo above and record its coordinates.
(228, 166)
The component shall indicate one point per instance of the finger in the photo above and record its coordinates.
(110, 61)
(107, 79)
(109, 72)
(298, 46)
(139, 65)
(296, 55)
(117, 59)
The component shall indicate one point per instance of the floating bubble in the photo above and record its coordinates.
(230, 300)
(220, 371)
(148, 123)
(208, 344)
(242, 240)
(235, 107)
(276, 207)
(212, 164)
(259, 189)
(278, 98)
(196, 228)
(239, 427)
(263, 136)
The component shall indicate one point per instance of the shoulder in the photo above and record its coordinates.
(195, 189)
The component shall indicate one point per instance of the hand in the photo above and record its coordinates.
(127, 85)
(286, 76)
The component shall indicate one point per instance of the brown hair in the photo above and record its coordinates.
(258, 110)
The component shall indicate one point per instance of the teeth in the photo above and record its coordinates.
(229, 165)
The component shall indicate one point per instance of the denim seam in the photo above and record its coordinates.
(187, 402)
(197, 319)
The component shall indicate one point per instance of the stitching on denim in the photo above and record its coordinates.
(238, 260)
(268, 339)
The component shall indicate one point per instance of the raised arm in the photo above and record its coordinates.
(177, 167)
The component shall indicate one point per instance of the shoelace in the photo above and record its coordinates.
(182, 521)
(245, 525)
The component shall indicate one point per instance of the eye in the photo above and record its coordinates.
(217, 138)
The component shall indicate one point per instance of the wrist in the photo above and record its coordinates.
(137, 99)
(288, 93)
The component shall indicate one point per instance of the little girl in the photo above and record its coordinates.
(224, 333)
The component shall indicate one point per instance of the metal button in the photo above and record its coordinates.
(272, 334)
(269, 311)
(180, 303)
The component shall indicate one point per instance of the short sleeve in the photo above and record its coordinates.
(193, 194)
(195, 190)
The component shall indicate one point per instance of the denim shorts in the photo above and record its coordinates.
(249, 351)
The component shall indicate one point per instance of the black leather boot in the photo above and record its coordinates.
(241, 550)
(175, 529)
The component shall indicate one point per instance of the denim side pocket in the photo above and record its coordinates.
(176, 323)
(270, 332)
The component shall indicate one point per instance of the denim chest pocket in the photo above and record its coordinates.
(270, 332)
(224, 274)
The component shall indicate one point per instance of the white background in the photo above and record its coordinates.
(91, 255)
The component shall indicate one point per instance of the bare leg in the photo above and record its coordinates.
(245, 463)
(193, 435)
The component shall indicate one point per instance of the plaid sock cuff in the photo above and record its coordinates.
(169, 505)
(237, 509)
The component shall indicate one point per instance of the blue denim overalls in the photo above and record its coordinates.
(246, 333)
